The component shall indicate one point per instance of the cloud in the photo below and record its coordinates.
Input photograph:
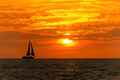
(33, 35)
(12, 35)
(35, 14)
(109, 35)
(115, 32)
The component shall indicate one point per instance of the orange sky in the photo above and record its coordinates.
(93, 25)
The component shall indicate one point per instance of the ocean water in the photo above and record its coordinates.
(59, 69)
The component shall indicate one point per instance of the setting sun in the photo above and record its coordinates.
(66, 42)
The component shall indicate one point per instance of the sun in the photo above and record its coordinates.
(66, 42)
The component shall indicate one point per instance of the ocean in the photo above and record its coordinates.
(60, 69)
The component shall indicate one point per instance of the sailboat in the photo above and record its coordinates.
(30, 52)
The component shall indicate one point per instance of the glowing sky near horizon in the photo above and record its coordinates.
(46, 21)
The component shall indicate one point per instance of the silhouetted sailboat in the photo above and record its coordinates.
(30, 53)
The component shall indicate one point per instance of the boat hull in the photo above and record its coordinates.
(27, 57)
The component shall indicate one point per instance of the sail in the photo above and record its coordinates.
(28, 51)
(32, 51)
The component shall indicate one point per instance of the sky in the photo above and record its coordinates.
(60, 28)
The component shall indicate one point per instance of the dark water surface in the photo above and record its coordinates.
(64, 69)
